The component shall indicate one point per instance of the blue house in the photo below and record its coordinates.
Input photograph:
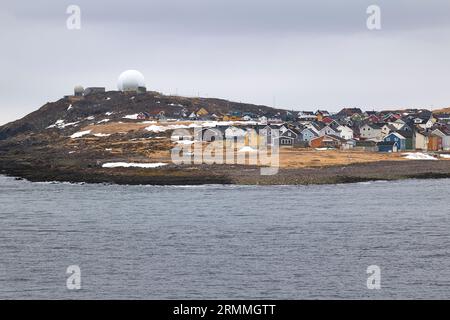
(387, 146)
(308, 135)
(398, 138)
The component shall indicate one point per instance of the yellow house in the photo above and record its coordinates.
(202, 112)
(231, 118)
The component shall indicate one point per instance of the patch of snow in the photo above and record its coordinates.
(103, 121)
(445, 156)
(131, 116)
(69, 108)
(90, 118)
(418, 156)
(80, 134)
(101, 135)
(132, 165)
(108, 113)
(70, 152)
(108, 149)
(60, 124)
(108, 98)
(156, 129)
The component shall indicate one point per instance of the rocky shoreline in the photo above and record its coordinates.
(226, 174)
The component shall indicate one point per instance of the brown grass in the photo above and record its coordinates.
(300, 158)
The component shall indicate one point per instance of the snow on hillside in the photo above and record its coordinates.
(80, 134)
(132, 165)
(60, 124)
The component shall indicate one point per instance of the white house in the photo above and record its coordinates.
(371, 131)
(327, 131)
(345, 132)
(234, 133)
(420, 141)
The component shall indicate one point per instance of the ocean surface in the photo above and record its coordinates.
(225, 242)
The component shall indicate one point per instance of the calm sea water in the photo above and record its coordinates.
(225, 242)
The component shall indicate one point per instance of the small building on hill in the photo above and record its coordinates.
(94, 90)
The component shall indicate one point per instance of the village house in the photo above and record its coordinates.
(444, 133)
(427, 141)
(289, 138)
(321, 114)
(434, 142)
(235, 133)
(374, 118)
(265, 132)
(409, 137)
(398, 124)
(328, 130)
(371, 131)
(306, 116)
(398, 139)
(210, 134)
(308, 134)
(387, 146)
(420, 140)
(387, 128)
(202, 112)
(350, 112)
(345, 132)
(327, 142)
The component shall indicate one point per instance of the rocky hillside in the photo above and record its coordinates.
(114, 106)
(441, 111)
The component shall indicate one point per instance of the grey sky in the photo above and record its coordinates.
(300, 54)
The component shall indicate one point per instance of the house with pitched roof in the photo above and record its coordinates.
(371, 131)
(444, 133)
(398, 139)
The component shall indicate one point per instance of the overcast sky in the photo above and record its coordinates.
(292, 53)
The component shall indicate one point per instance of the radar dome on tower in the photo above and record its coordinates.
(78, 91)
(131, 80)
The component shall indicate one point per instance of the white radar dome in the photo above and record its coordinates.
(130, 80)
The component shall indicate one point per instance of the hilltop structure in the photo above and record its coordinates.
(131, 81)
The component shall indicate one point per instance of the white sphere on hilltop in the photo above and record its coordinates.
(78, 90)
(130, 80)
